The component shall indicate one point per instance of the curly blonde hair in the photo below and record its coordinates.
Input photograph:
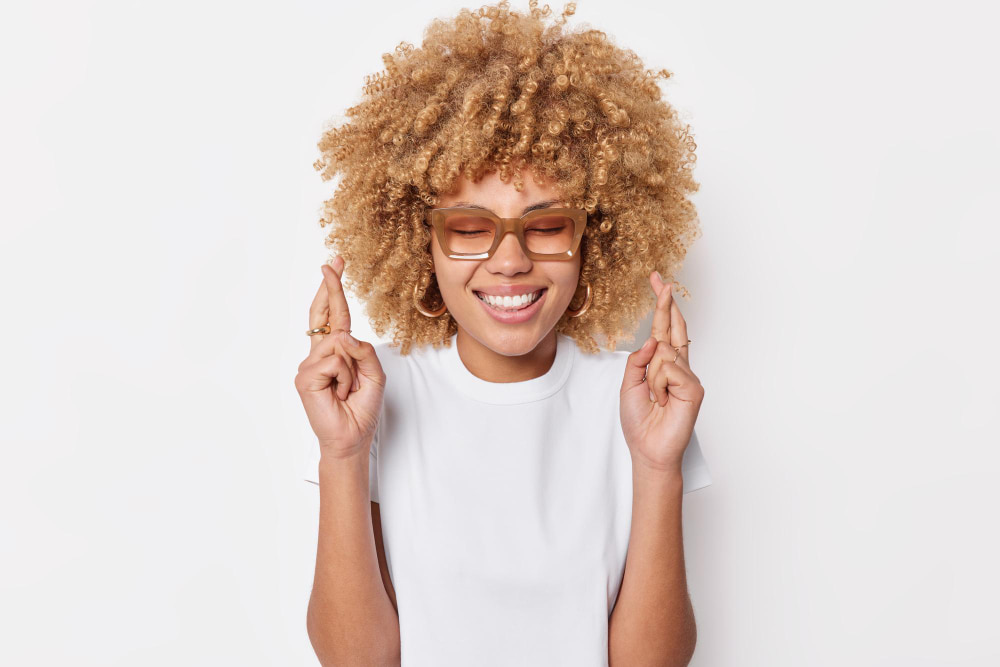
(497, 90)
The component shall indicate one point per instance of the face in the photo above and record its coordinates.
(462, 281)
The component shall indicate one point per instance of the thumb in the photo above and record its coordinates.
(363, 352)
(635, 366)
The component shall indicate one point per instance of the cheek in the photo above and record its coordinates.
(570, 277)
(441, 264)
(452, 274)
(436, 256)
(565, 280)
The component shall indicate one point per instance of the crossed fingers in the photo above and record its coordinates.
(329, 308)
(670, 329)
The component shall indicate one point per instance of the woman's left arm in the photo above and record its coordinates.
(652, 622)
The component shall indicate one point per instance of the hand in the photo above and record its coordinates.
(341, 382)
(660, 398)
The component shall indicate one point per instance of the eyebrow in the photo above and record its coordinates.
(527, 209)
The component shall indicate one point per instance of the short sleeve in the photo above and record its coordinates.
(694, 469)
(311, 473)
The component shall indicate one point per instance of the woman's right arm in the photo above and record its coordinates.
(351, 619)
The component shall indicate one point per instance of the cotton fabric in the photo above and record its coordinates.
(505, 507)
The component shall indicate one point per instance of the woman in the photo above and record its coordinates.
(483, 476)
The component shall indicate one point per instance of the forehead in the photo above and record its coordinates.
(502, 198)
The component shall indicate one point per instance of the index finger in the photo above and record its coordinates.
(340, 314)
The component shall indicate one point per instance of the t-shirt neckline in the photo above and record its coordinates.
(508, 393)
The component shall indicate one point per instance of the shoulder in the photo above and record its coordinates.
(415, 352)
(390, 358)
(601, 362)
(601, 371)
(394, 363)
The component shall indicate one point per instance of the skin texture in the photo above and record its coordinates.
(492, 350)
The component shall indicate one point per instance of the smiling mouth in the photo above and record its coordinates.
(508, 304)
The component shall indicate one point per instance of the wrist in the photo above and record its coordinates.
(331, 457)
(665, 470)
(345, 475)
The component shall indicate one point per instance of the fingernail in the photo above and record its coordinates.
(351, 340)
(658, 276)
(652, 396)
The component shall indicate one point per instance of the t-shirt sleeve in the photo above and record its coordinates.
(694, 469)
(311, 473)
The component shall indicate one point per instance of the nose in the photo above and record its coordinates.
(509, 256)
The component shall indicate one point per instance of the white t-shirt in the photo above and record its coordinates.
(506, 507)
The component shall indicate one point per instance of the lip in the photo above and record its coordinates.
(515, 316)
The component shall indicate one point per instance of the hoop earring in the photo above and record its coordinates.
(586, 304)
(423, 310)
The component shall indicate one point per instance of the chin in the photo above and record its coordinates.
(515, 344)
(512, 343)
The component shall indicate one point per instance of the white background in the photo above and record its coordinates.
(160, 249)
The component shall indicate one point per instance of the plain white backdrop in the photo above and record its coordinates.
(160, 248)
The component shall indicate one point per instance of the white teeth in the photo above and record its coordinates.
(506, 302)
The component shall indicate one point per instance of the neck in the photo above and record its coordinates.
(487, 364)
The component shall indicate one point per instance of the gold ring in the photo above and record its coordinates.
(325, 329)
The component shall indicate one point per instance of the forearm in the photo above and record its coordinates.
(350, 618)
(652, 622)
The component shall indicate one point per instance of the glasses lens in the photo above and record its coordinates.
(549, 234)
(469, 234)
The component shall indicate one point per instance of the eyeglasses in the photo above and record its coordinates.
(474, 233)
